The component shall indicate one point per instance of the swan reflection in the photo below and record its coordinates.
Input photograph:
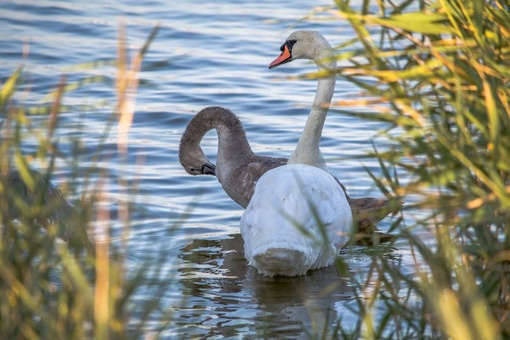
(227, 297)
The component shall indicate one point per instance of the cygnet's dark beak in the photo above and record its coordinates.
(209, 169)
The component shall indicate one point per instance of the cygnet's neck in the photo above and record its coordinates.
(233, 146)
(232, 142)
(307, 150)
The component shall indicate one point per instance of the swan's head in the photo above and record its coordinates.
(303, 45)
(195, 162)
(198, 167)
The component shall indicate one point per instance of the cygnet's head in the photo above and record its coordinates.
(193, 159)
(195, 163)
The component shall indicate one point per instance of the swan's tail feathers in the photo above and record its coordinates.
(282, 260)
(366, 212)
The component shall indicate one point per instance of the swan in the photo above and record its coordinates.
(298, 218)
(55, 208)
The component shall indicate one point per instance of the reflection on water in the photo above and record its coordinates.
(226, 294)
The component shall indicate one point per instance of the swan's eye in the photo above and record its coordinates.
(290, 43)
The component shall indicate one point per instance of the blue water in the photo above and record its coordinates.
(205, 53)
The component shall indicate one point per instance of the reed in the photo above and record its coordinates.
(437, 74)
(79, 288)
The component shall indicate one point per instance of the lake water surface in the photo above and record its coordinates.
(205, 53)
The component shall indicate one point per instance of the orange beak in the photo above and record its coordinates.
(285, 57)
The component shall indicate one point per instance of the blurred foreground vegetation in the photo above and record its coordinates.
(60, 283)
(438, 73)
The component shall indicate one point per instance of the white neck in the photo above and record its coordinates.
(307, 150)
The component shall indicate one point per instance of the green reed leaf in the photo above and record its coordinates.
(9, 87)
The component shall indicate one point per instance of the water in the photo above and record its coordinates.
(206, 53)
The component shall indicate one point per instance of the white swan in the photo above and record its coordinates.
(298, 219)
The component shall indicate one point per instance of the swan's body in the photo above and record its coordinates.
(298, 220)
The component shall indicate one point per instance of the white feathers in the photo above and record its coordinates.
(298, 220)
